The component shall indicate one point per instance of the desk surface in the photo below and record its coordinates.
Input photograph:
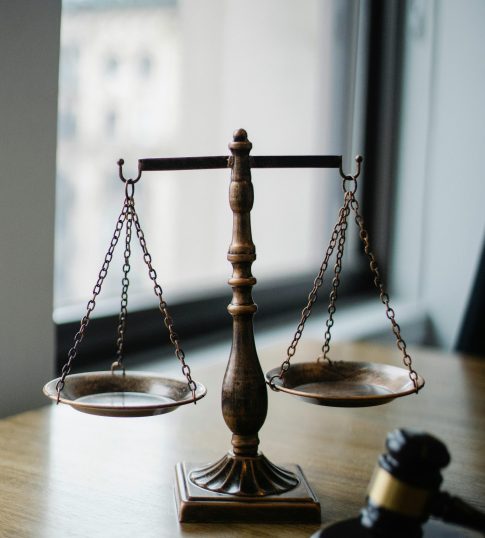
(66, 474)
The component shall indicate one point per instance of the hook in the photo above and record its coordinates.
(358, 159)
(116, 365)
(120, 163)
(271, 384)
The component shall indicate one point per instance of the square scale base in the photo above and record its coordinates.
(198, 505)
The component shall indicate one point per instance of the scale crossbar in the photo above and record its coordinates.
(271, 161)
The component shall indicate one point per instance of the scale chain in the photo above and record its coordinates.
(332, 307)
(384, 297)
(78, 337)
(129, 215)
(124, 291)
(317, 283)
(167, 319)
(338, 234)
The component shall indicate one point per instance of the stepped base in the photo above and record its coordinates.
(197, 504)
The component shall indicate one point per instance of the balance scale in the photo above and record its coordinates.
(243, 485)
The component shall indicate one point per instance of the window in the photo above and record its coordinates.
(297, 85)
(111, 65)
(144, 65)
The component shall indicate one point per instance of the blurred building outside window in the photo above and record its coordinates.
(176, 78)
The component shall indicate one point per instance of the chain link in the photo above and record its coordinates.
(179, 353)
(384, 297)
(78, 337)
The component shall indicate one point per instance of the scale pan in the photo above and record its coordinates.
(345, 383)
(113, 394)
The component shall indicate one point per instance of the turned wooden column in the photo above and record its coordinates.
(244, 396)
(243, 471)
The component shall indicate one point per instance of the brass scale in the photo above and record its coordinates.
(243, 484)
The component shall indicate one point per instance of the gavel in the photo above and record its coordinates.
(404, 493)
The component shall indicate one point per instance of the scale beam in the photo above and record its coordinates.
(270, 161)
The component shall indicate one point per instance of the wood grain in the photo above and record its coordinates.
(66, 474)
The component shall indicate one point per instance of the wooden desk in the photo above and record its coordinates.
(65, 474)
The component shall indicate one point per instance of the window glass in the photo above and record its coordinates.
(175, 78)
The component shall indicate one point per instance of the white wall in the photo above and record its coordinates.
(440, 219)
(29, 36)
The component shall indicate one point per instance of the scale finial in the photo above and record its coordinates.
(240, 135)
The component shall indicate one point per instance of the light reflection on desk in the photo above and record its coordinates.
(69, 474)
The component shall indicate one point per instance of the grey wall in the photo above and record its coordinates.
(29, 45)
(440, 218)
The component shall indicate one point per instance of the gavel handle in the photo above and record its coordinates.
(454, 510)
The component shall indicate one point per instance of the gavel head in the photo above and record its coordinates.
(405, 481)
